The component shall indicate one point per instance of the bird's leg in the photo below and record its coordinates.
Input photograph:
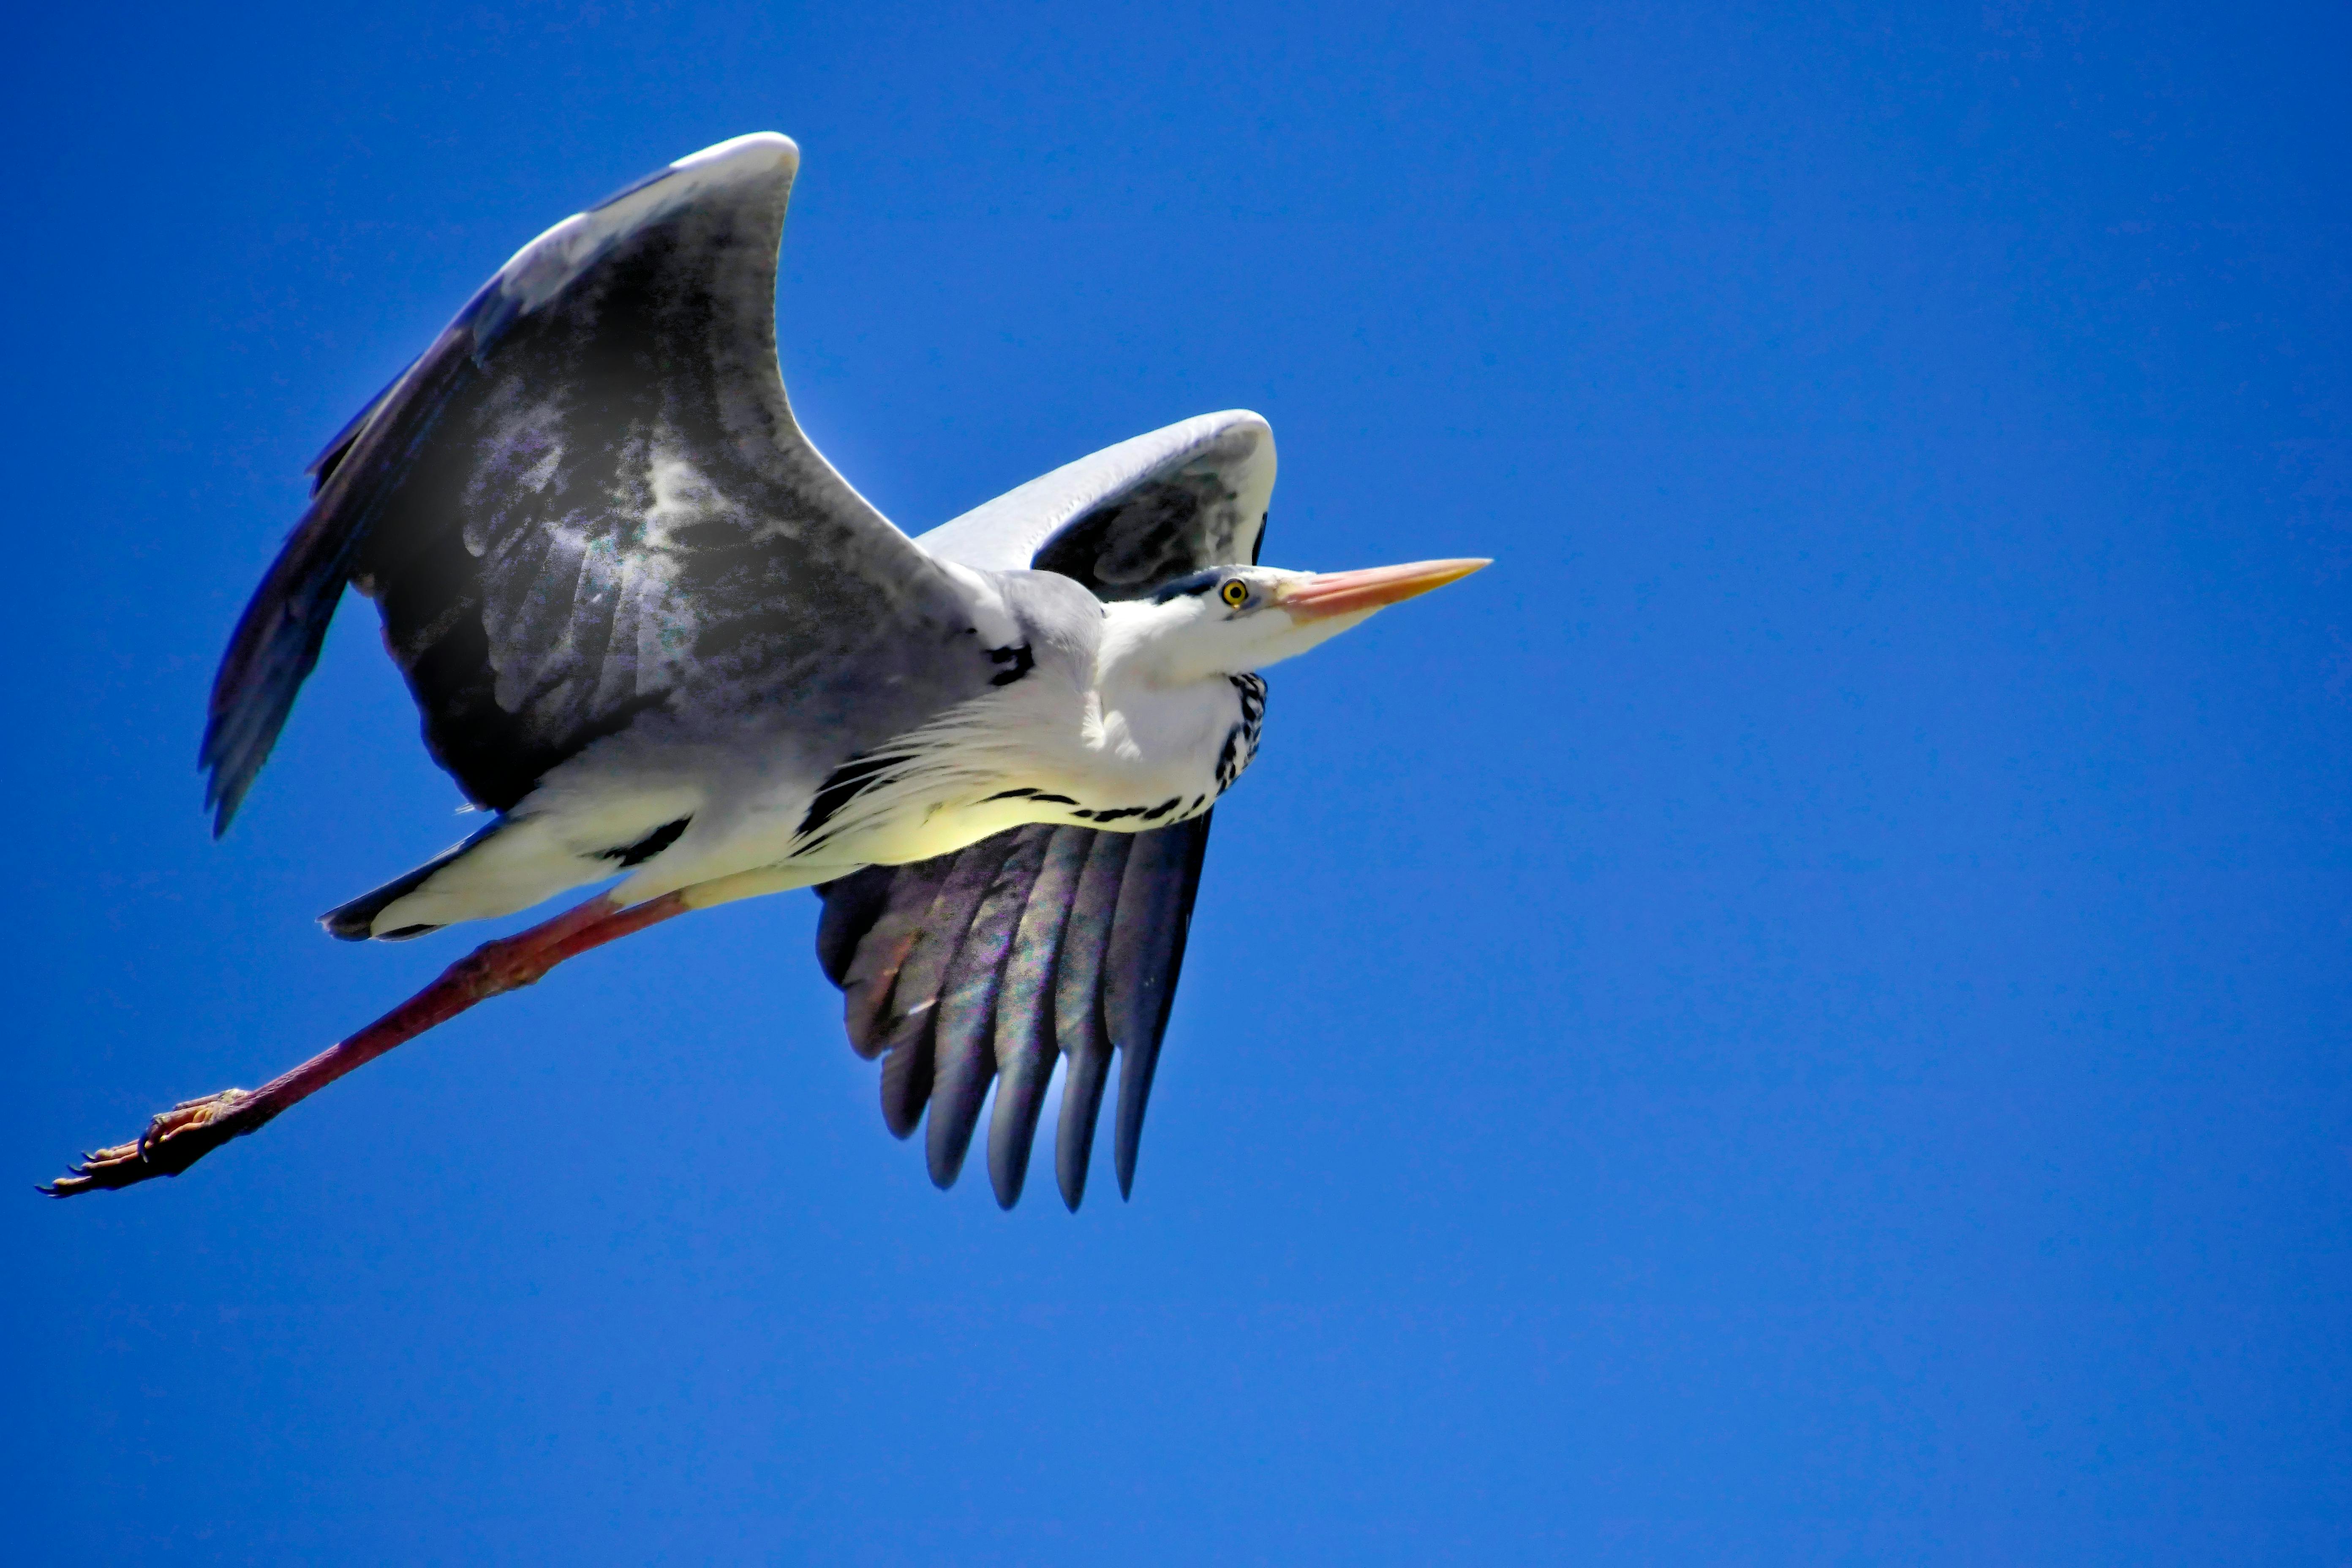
(188, 1131)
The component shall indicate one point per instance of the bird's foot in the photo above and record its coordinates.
(172, 1142)
(186, 1133)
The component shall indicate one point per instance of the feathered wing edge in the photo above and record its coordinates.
(277, 639)
(1208, 480)
(987, 964)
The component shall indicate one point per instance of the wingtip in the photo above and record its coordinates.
(222, 804)
(943, 1150)
(1125, 1143)
(1072, 1149)
(1128, 1143)
(760, 152)
(773, 145)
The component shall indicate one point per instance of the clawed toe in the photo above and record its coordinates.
(170, 1144)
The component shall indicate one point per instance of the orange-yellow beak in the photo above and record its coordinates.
(1354, 593)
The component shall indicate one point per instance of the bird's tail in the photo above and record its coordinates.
(521, 859)
(355, 922)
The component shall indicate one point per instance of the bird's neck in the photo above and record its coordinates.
(1127, 741)
(1149, 730)
(1069, 743)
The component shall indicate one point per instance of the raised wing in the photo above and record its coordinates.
(587, 500)
(1133, 516)
(988, 962)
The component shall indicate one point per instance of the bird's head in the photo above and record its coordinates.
(1229, 620)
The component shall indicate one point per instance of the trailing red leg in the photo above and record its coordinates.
(192, 1129)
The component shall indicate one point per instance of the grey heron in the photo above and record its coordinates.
(655, 632)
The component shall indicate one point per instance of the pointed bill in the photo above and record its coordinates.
(1375, 587)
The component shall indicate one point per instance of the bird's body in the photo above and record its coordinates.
(649, 628)
(1069, 729)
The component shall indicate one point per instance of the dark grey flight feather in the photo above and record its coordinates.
(965, 1042)
(1074, 950)
(871, 975)
(1079, 1019)
(1026, 1045)
(1036, 944)
(907, 1075)
(588, 503)
(1139, 968)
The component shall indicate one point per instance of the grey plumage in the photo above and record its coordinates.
(908, 1069)
(1153, 916)
(587, 507)
(1026, 1046)
(645, 621)
(965, 1044)
(1042, 941)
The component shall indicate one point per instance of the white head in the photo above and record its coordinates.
(1230, 620)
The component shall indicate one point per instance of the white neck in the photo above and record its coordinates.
(1128, 735)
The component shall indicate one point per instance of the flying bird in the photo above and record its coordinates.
(651, 629)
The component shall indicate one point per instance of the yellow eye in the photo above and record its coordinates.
(1234, 593)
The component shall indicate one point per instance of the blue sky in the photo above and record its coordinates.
(1800, 1017)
